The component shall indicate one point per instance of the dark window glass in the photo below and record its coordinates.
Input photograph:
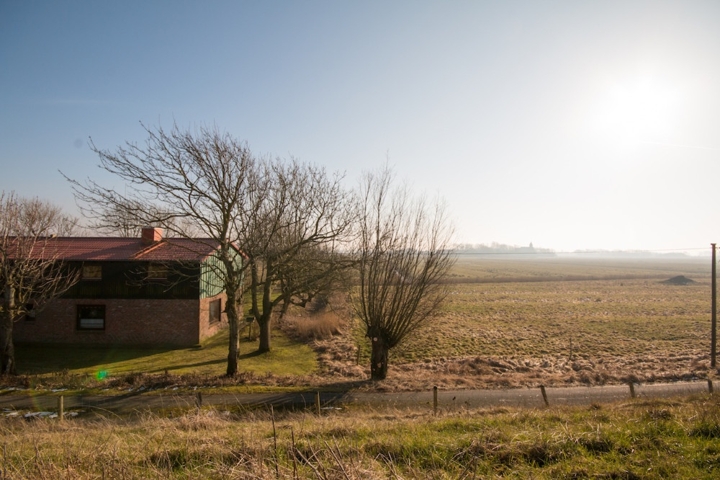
(91, 317)
(30, 312)
(157, 271)
(215, 311)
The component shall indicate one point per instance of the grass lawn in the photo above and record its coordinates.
(286, 358)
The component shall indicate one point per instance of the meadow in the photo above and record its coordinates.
(521, 322)
(638, 439)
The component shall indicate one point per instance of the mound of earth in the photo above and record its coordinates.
(679, 280)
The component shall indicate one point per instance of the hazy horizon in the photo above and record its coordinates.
(574, 126)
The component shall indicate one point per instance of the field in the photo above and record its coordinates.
(506, 323)
(510, 323)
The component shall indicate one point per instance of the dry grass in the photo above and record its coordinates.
(474, 268)
(320, 326)
(637, 439)
(511, 334)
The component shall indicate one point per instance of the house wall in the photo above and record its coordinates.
(129, 322)
(208, 329)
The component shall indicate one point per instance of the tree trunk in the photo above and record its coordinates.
(285, 306)
(378, 358)
(234, 326)
(264, 335)
(7, 349)
(267, 307)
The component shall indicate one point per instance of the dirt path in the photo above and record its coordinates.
(447, 400)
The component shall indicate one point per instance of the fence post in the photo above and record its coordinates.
(198, 400)
(317, 402)
(435, 401)
(544, 395)
(61, 407)
(632, 389)
(710, 386)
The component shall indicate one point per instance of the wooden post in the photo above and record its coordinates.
(277, 466)
(632, 389)
(435, 402)
(61, 407)
(317, 402)
(198, 400)
(710, 386)
(294, 454)
(713, 326)
(544, 395)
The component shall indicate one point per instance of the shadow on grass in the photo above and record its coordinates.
(255, 353)
(347, 385)
(174, 367)
(287, 358)
(44, 359)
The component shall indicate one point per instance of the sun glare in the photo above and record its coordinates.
(638, 111)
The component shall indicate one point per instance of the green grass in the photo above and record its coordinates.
(286, 358)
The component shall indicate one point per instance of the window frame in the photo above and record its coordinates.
(157, 271)
(218, 302)
(78, 318)
(30, 313)
(91, 266)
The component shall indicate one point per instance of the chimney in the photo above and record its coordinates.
(151, 235)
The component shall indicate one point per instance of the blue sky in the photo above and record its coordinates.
(572, 125)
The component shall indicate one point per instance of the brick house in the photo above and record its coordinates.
(133, 291)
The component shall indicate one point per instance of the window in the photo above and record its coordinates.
(215, 309)
(92, 272)
(157, 271)
(91, 317)
(30, 312)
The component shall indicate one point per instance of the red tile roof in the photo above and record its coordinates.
(120, 248)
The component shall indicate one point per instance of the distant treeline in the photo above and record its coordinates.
(626, 254)
(551, 278)
(501, 249)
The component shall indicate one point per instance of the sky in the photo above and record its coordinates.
(571, 125)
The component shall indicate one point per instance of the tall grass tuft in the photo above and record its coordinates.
(320, 326)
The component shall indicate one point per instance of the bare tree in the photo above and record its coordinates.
(303, 211)
(31, 272)
(403, 254)
(186, 184)
(209, 184)
(313, 275)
